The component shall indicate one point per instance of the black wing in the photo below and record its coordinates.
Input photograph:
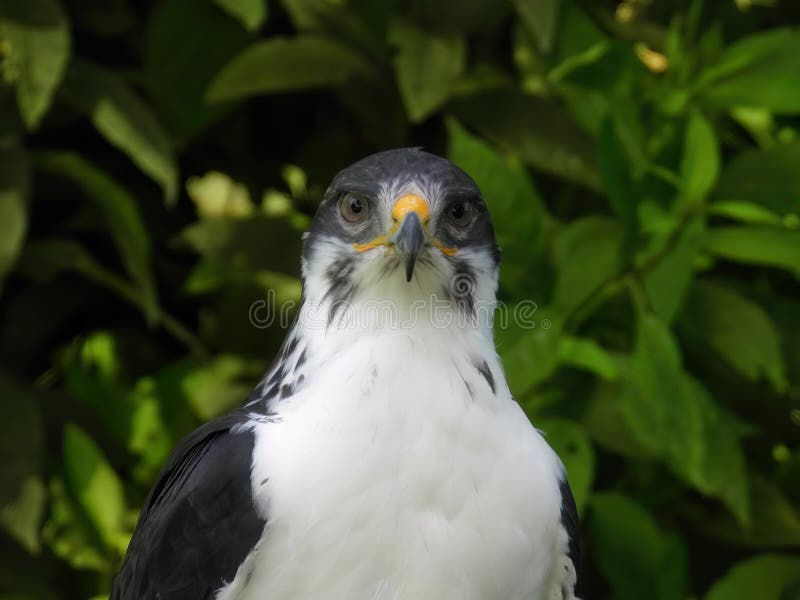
(198, 523)
(569, 519)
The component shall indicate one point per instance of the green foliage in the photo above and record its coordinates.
(36, 51)
(641, 160)
(251, 13)
(759, 70)
(428, 67)
(95, 484)
(278, 65)
(124, 121)
(14, 182)
(121, 215)
(767, 577)
(22, 497)
(639, 558)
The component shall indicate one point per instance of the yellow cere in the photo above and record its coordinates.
(411, 203)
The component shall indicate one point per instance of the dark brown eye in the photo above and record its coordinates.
(460, 213)
(355, 208)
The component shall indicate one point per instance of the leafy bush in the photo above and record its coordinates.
(642, 163)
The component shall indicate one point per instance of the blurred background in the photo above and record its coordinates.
(641, 159)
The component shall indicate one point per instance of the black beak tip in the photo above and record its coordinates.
(409, 270)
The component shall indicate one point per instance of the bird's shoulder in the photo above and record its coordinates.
(199, 521)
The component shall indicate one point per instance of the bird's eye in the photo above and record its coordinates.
(460, 213)
(355, 208)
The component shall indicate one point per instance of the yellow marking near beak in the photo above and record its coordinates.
(411, 203)
(445, 249)
(381, 240)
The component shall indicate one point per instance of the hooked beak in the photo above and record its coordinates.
(410, 212)
(409, 241)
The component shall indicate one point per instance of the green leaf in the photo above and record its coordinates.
(177, 75)
(42, 260)
(755, 245)
(541, 18)
(737, 330)
(716, 466)
(121, 213)
(91, 366)
(287, 289)
(35, 37)
(288, 64)
(674, 417)
(765, 577)
(633, 553)
(573, 447)
(746, 212)
(528, 345)
(428, 67)
(225, 383)
(757, 71)
(578, 35)
(148, 438)
(14, 190)
(517, 210)
(22, 519)
(758, 122)
(310, 15)
(465, 17)
(769, 178)
(615, 168)
(605, 421)
(258, 243)
(586, 253)
(250, 13)
(667, 282)
(70, 535)
(586, 354)
(700, 161)
(217, 195)
(652, 389)
(362, 24)
(93, 370)
(783, 308)
(125, 121)
(538, 131)
(22, 497)
(95, 485)
(775, 522)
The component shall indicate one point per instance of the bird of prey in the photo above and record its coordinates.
(382, 456)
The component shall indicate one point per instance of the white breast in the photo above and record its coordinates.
(395, 473)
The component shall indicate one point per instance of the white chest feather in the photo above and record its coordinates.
(397, 472)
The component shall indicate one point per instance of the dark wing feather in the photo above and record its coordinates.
(198, 523)
(569, 519)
